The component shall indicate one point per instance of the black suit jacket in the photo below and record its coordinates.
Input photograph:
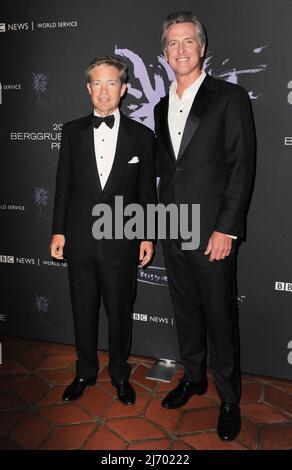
(215, 165)
(78, 188)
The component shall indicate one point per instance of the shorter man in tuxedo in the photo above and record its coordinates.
(205, 156)
(103, 155)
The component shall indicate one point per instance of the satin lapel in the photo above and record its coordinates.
(88, 152)
(197, 110)
(164, 126)
(121, 155)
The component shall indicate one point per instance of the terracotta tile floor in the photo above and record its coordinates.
(32, 416)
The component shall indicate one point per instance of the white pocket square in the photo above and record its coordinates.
(134, 160)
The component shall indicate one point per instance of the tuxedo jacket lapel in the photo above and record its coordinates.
(197, 110)
(121, 156)
(164, 126)
(88, 153)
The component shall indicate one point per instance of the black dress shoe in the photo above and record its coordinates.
(126, 393)
(180, 395)
(76, 388)
(229, 421)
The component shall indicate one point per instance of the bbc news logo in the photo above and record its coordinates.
(153, 319)
(15, 27)
(30, 25)
(283, 286)
(19, 260)
(6, 259)
(140, 316)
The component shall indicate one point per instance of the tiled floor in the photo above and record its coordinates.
(34, 375)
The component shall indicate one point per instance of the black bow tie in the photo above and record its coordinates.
(108, 120)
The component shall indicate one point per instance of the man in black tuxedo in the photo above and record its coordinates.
(103, 155)
(205, 155)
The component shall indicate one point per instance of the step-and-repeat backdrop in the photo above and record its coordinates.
(45, 48)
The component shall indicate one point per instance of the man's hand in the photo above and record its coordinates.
(219, 246)
(56, 246)
(146, 252)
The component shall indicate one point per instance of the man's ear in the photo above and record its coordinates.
(88, 88)
(202, 51)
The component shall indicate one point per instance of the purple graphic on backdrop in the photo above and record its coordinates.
(39, 84)
(40, 197)
(151, 88)
(42, 306)
(152, 82)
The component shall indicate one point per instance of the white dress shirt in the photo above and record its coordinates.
(105, 143)
(178, 111)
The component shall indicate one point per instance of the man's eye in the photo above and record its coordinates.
(111, 83)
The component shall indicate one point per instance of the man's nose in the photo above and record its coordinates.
(181, 47)
(104, 87)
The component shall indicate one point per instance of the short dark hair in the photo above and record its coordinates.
(183, 16)
(108, 60)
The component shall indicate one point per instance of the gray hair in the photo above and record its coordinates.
(183, 16)
(108, 60)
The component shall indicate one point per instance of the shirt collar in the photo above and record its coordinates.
(191, 90)
(116, 113)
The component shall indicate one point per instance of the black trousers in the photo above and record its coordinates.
(205, 304)
(88, 283)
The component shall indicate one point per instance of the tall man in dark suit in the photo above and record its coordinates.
(102, 156)
(205, 156)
